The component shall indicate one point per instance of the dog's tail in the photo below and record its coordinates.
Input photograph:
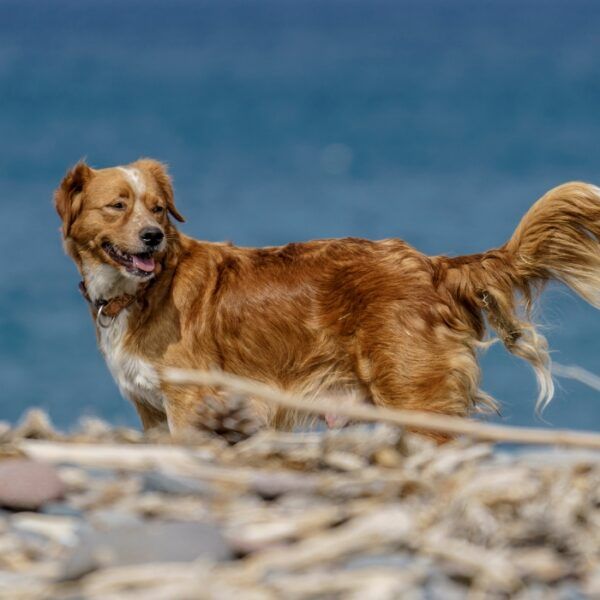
(559, 238)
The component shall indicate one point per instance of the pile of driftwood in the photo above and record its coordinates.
(368, 511)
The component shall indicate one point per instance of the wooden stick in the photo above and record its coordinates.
(116, 456)
(406, 418)
(578, 373)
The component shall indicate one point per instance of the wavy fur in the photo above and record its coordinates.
(558, 238)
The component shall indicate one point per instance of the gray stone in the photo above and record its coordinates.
(61, 509)
(83, 559)
(153, 542)
(441, 587)
(106, 518)
(570, 591)
(176, 485)
(100, 474)
(28, 485)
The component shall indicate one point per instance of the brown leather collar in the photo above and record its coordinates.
(110, 308)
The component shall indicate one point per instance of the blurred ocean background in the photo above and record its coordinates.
(282, 120)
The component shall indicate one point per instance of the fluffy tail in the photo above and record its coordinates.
(558, 238)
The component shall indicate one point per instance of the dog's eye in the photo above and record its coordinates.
(157, 209)
(117, 205)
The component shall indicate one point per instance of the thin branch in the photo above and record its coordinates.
(578, 373)
(406, 418)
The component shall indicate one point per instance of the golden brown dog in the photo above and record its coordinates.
(338, 316)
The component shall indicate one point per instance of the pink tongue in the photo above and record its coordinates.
(143, 264)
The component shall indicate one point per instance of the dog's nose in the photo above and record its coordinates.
(152, 236)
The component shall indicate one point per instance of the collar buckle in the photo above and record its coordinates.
(103, 320)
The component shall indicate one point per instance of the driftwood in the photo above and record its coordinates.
(406, 418)
(578, 374)
(361, 512)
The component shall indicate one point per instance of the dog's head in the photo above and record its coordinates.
(118, 217)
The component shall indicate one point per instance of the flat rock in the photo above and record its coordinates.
(113, 519)
(175, 485)
(28, 485)
(154, 542)
(441, 586)
(61, 509)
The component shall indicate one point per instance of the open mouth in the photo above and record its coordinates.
(141, 265)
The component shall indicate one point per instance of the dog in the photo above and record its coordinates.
(376, 319)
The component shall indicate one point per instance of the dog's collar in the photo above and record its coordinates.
(109, 309)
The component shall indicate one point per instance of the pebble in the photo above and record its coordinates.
(146, 543)
(28, 485)
(442, 587)
(110, 518)
(61, 509)
(173, 484)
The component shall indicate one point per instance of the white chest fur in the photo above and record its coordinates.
(136, 378)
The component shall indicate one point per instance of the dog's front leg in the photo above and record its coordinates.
(181, 407)
(150, 417)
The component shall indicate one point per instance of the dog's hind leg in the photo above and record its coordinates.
(428, 375)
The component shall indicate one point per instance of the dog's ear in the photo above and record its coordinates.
(68, 196)
(160, 173)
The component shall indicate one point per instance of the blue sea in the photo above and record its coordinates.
(436, 121)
